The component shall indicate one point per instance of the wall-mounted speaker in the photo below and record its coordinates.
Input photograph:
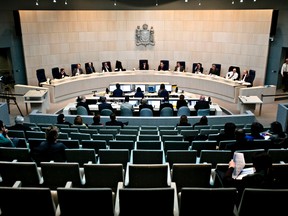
(17, 23)
(274, 21)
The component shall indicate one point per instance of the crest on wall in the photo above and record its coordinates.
(145, 36)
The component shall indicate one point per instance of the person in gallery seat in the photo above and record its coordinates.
(114, 122)
(61, 120)
(183, 121)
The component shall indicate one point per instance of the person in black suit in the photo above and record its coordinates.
(62, 73)
(144, 66)
(214, 70)
(90, 68)
(198, 68)
(162, 66)
(202, 104)
(166, 103)
(181, 102)
(61, 120)
(114, 122)
(162, 92)
(144, 104)
(118, 91)
(104, 105)
(106, 67)
(77, 71)
(81, 101)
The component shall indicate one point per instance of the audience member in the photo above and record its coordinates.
(81, 101)
(144, 66)
(126, 104)
(96, 120)
(241, 142)
(256, 130)
(181, 102)
(198, 69)
(61, 120)
(77, 71)
(118, 91)
(79, 121)
(179, 67)
(104, 105)
(90, 68)
(203, 121)
(144, 104)
(5, 140)
(228, 134)
(165, 103)
(202, 103)
(114, 122)
(19, 124)
(106, 67)
(233, 75)
(183, 121)
(50, 149)
(277, 135)
(162, 92)
(139, 93)
(63, 73)
(214, 70)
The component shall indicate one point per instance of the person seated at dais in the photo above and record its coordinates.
(214, 70)
(78, 70)
(232, 75)
(198, 69)
(179, 67)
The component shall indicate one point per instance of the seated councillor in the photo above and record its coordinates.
(245, 76)
(126, 104)
(114, 122)
(96, 120)
(90, 68)
(50, 149)
(165, 103)
(203, 121)
(181, 102)
(183, 121)
(104, 105)
(5, 140)
(61, 120)
(63, 73)
(144, 66)
(202, 104)
(179, 67)
(161, 67)
(78, 70)
(233, 75)
(106, 67)
(118, 91)
(162, 92)
(81, 101)
(79, 121)
(144, 104)
(139, 93)
(198, 69)
(214, 70)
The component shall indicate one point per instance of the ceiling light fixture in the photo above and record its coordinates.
(156, 3)
(66, 2)
(115, 3)
(54, 1)
(241, 1)
(232, 2)
(186, 1)
(37, 3)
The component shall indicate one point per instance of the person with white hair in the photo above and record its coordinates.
(19, 124)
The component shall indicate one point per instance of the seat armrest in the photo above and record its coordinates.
(117, 204)
(68, 184)
(176, 205)
(17, 184)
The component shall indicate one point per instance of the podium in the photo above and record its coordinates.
(37, 100)
(248, 103)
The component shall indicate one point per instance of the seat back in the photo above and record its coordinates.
(277, 155)
(19, 154)
(81, 110)
(237, 70)
(85, 201)
(166, 111)
(191, 204)
(252, 74)
(40, 73)
(200, 145)
(73, 66)
(149, 145)
(141, 62)
(126, 112)
(144, 156)
(215, 156)
(106, 112)
(181, 156)
(183, 64)
(114, 156)
(56, 73)
(183, 110)
(203, 112)
(166, 64)
(80, 156)
(121, 144)
(94, 144)
(175, 145)
(146, 112)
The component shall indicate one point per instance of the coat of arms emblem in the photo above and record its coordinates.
(145, 36)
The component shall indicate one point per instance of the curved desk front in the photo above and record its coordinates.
(213, 86)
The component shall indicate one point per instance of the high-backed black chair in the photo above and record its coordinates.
(252, 74)
(182, 63)
(73, 66)
(109, 65)
(89, 69)
(40, 73)
(118, 66)
(141, 62)
(237, 70)
(166, 64)
(218, 66)
(56, 73)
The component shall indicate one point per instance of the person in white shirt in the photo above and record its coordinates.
(284, 73)
(233, 75)
(126, 104)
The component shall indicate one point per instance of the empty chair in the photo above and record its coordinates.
(128, 131)
(184, 110)
(80, 136)
(133, 127)
(17, 133)
(148, 137)
(70, 143)
(114, 156)
(263, 202)
(80, 156)
(178, 137)
(203, 112)
(126, 137)
(94, 144)
(215, 156)
(149, 127)
(181, 156)
(225, 144)
(166, 111)
(69, 130)
(108, 131)
(117, 127)
(277, 155)
(85, 201)
(147, 156)
(88, 130)
(149, 144)
(146, 201)
(200, 145)
(21, 200)
(248, 154)
(143, 64)
(106, 112)
(126, 112)
(208, 131)
(121, 144)
(40, 73)
(63, 136)
(175, 145)
(19, 154)
(146, 112)
(217, 126)
(191, 175)
(56, 174)
(280, 175)
(149, 132)
(200, 127)
(105, 137)
(78, 126)
(168, 132)
(81, 110)
(26, 172)
(35, 134)
(166, 127)
(103, 175)
(190, 204)
(147, 175)
(56, 73)
(34, 142)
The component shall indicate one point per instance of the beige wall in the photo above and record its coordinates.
(229, 37)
